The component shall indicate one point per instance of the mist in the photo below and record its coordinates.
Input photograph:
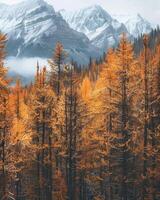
(24, 66)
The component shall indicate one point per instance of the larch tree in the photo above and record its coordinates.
(56, 65)
(19, 146)
(40, 103)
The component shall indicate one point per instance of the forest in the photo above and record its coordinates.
(78, 133)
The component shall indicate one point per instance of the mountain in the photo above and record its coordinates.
(102, 30)
(135, 24)
(87, 20)
(33, 29)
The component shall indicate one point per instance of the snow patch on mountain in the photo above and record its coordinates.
(93, 34)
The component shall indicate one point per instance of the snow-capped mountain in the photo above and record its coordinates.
(87, 20)
(135, 24)
(33, 29)
(102, 30)
(138, 25)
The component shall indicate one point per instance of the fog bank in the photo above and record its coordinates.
(24, 66)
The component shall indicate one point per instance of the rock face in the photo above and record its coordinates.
(34, 28)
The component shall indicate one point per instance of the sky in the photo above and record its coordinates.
(150, 9)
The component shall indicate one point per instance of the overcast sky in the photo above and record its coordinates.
(150, 9)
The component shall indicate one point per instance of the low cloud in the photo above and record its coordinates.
(24, 66)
